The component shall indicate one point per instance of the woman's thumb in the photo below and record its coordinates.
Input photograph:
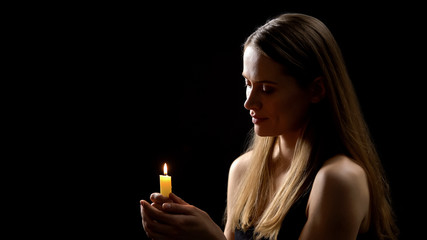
(176, 199)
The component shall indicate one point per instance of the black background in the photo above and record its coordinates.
(137, 85)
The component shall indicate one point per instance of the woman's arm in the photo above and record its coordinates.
(173, 218)
(236, 172)
(339, 202)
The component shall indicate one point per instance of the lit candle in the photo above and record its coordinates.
(165, 182)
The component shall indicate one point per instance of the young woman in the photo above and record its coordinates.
(312, 171)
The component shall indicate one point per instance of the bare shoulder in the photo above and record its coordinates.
(341, 169)
(341, 176)
(239, 166)
(339, 199)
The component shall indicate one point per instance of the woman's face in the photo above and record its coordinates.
(274, 99)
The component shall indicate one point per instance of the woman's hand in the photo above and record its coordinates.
(158, 200)
(173, 218)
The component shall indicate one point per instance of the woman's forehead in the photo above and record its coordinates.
(257, 66)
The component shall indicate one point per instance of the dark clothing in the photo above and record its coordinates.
(293, 224)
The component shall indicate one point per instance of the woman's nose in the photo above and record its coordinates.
(252, 101)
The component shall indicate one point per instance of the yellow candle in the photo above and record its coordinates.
(165, 182)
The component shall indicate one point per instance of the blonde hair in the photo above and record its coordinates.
(307, 49)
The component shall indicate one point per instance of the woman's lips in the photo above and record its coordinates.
(258, 120)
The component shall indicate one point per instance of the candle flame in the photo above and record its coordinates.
(165, 169)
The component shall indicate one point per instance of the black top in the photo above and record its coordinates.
(293, 224)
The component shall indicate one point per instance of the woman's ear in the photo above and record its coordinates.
(317, 90)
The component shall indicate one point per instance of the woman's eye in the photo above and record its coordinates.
(267, 89)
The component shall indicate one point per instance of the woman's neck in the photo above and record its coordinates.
(286, 146)
(282, 158)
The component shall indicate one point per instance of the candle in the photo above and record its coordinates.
(165, 182)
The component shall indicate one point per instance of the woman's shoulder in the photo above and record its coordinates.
(341, 175)
(343, 169)
(340, 191)
(240, 165)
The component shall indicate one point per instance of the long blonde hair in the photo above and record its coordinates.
(307, 49)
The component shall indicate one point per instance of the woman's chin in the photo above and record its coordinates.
(263, 132)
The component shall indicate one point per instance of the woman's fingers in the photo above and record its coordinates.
(179, 209)
(178, 206)
(153, 221)
(159, 198)
(158, 201)
(177, 220)
(156, 205)
(153, 213)
(146, 220)
(176, 199)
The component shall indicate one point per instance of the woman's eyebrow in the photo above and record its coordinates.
(262, 81)
(266, 81)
